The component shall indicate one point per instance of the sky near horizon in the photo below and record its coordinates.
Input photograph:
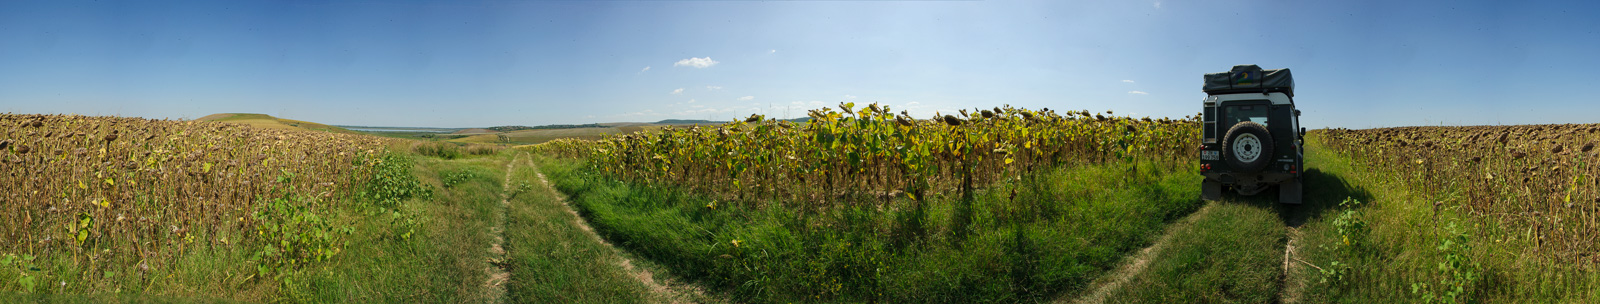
(1358, 64)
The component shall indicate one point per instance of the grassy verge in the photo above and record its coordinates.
(442, 261)
(1060, 230)
(1230, 254)
(1410, 245)
(553, 261)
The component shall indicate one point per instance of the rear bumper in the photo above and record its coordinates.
(1243, 179)
(1245, 183)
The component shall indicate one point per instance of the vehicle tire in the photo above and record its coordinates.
(1247, 147)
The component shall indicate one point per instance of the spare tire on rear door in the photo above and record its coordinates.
(1247, 147)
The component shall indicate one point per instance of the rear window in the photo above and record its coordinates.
(1238, 114)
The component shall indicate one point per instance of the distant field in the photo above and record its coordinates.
(399, 129)
(526, 137)
(269, 122)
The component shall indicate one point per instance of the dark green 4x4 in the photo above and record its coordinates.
(1252, 139)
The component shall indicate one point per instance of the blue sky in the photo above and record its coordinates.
(1358, 64)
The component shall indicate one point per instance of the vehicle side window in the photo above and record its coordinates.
(1237, 114)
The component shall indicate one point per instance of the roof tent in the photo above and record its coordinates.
(1249, 78)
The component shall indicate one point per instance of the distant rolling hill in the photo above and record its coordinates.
(267, 121)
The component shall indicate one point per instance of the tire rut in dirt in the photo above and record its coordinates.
(498, 275)
(1136, 263)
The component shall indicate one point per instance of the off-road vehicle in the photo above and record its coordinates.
(1252, 137)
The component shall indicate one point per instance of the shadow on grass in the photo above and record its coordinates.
(1323, 191)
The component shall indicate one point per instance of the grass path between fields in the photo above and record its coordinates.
(1293, 285)
(1241, 249)
(554, 256)
(498, 276)
(1136, 263)
(676, 294)
(508, 238)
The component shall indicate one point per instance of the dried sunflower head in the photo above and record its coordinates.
(951, 120)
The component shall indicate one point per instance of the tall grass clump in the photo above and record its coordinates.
(480, 149)
(442, 150)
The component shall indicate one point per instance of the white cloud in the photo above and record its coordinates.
(700, 63)
(678, 91)
(912, 103)
(713, 88)
(646, 68)
(1158, 5)
(1127, 81)
(1138, 93)
(747, 98)
(772, 51)
(849, 97)
(691, 101)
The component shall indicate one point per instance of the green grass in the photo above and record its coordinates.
(452, 150)
(553, 261)
(1065, 228)
(444, 262)
(1231, 253)
(1402, 249)
(550, 260)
